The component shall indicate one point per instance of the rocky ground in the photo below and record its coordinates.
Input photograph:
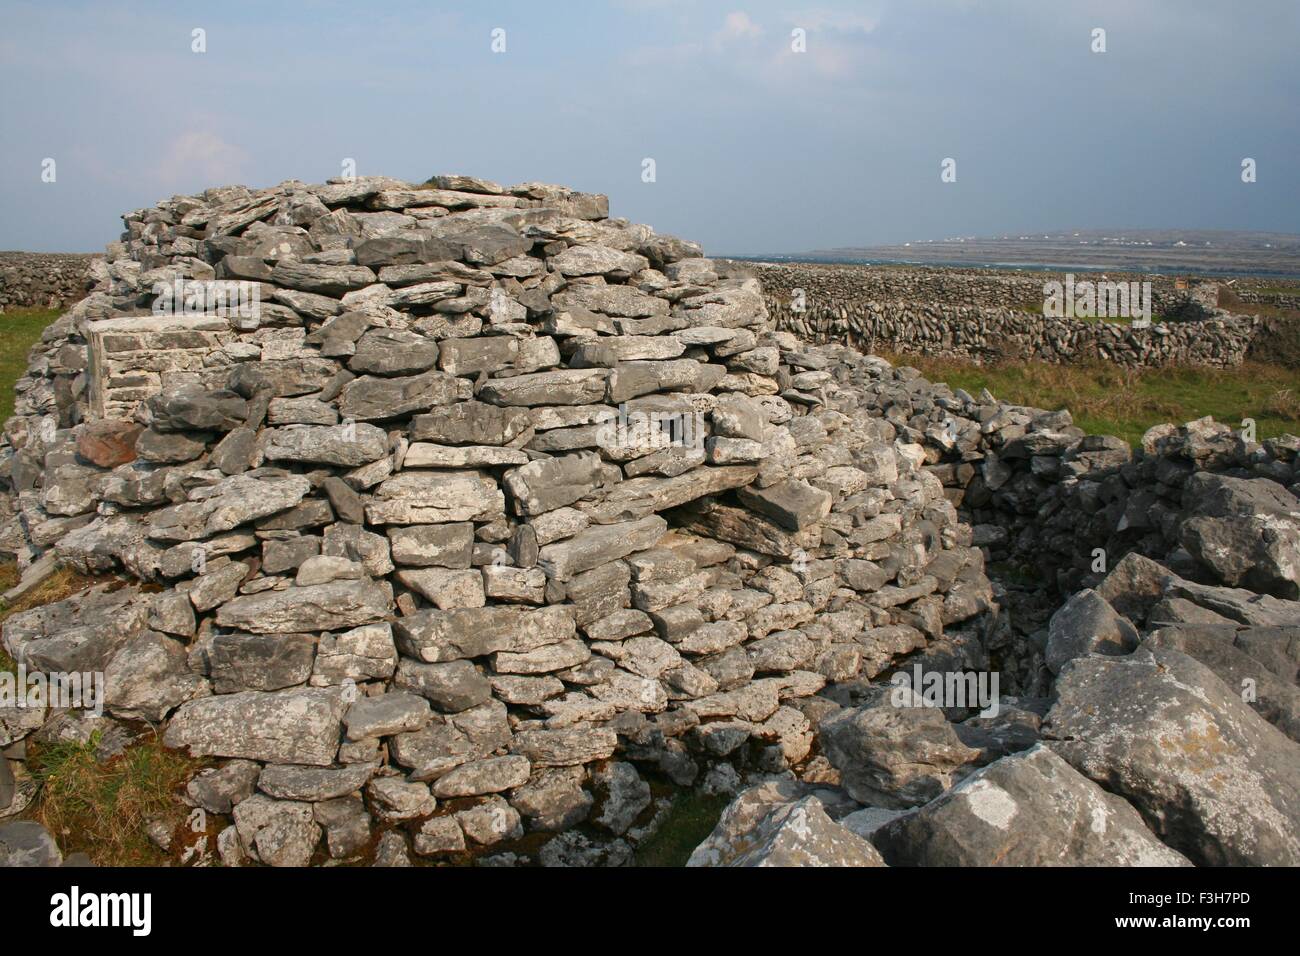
(427, 562)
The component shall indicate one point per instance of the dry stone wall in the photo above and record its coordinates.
(491, 511)
(42, 280)
(1184, 627)
(987, 318)
(1042, 494)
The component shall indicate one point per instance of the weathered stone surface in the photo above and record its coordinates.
(1253, 659)
(446, 588)
(554, 799)
(476, 632)
(78, 634)
(393, 352)
(490, 775)
(291, 726)
(346, 825)
(370, 398)
(239, 662)
(108, 443)
(227, 504)
(452, 686)
(439, 836)
(1160, 730)
(542, 660)
(398, 799)
(220, 789)
(613, 300)
(794, 505)
(427, 455)
(1086, 624)
(892, 756)
(321, 279)
(277, 832)
(27, 843)
(432, 497)
(347, 446)
(1027, 809)
(445, 546)
(623, 796)
(780, 824)
(339, 604)
(192, 408)
(1246, 530)
(393, 713)
(551, 483)
(638, 497)
(599, 545)
(148, 678)
(312, 784)
(584, 260)
(216, 585)
(564, 748)
(470, 423)
(1133, 586)
(282, 378)
(563, 387)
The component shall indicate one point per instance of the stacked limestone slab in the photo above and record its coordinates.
(496, 508)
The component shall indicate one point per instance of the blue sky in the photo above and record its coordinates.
(757, 148)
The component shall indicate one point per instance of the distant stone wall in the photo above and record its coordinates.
(1041, 494)
(42, 280)
(982, 318)
(1281, 300)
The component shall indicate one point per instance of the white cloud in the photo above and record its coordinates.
(738, 25)
(200, 157)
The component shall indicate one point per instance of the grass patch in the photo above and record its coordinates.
(102, 808)
(63, 583)
(690, 819)
(8, 574)
(1111, 400)
(20, 329)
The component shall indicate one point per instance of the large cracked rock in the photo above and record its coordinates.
(1246, 530)
(1210, 777)
(1259, 663)
(892, 756)
(1084, 625)
(1027, 809)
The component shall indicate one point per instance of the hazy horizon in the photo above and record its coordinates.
(758, 148)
